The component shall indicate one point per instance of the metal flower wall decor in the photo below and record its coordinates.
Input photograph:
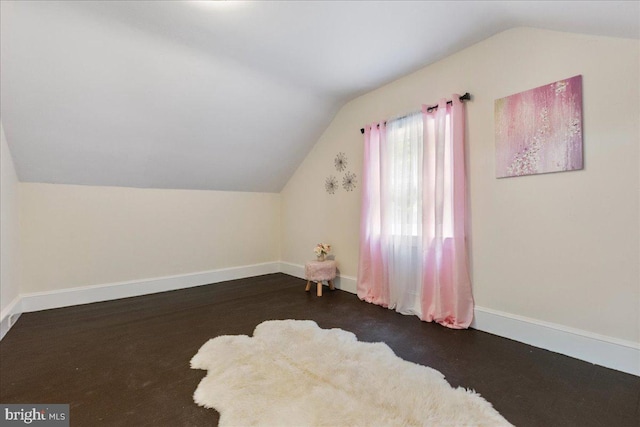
(331, 183)
(349, 181)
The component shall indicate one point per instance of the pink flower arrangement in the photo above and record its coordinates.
(322, 249)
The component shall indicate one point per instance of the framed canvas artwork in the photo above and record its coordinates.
(540, 130)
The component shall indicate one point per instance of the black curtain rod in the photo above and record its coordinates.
(465, 97)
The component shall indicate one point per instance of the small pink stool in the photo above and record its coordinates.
(318, 271)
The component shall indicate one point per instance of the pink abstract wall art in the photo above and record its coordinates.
(540, 130)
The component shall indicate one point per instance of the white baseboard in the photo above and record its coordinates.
(9, 315)
(598, 349)
(601, 350)
(37, 301)
(345, 283)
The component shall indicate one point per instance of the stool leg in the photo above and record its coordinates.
(331, 287)
(319, 289)
(308, 286)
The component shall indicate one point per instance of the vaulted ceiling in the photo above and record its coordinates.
(224, 95)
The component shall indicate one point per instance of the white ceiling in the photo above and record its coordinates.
(224, 95)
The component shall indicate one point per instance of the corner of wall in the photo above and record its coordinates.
(9, 238)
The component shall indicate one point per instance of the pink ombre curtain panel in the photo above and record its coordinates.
(413, 251)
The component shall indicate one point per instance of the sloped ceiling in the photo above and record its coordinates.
(224, 95)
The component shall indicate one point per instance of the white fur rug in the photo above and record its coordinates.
(292, 373)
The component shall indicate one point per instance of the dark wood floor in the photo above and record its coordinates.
(126, 362)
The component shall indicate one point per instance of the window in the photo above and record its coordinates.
(405, 155)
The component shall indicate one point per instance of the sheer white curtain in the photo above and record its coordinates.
(401, 161)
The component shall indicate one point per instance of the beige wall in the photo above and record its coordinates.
(9, 223)
(84, 235)
(561, 248)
